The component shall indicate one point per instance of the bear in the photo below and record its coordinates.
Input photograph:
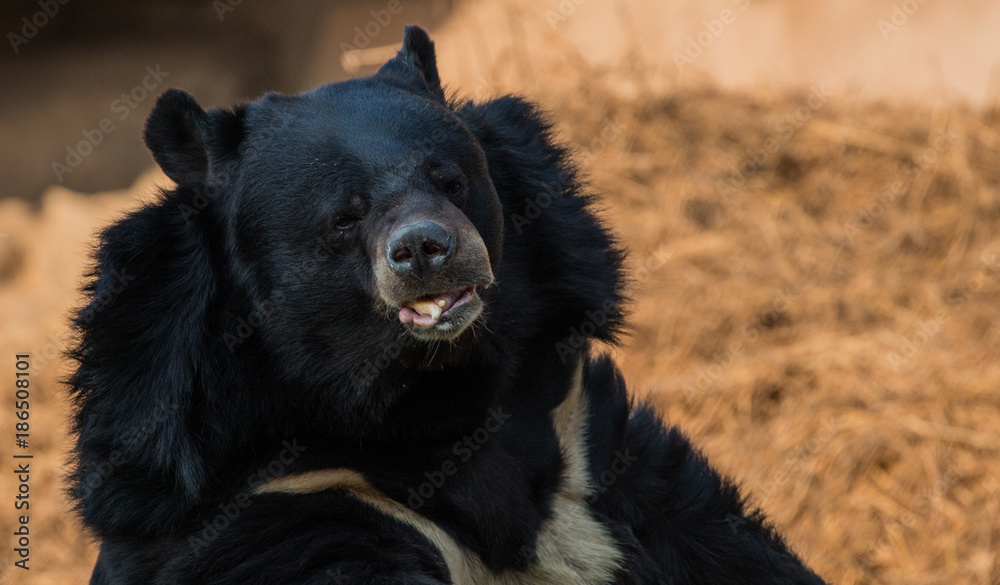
(349, 350)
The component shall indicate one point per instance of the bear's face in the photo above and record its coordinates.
(329, 265)
(358, 219)
(349, 217)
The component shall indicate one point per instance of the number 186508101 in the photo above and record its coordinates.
(22, 404)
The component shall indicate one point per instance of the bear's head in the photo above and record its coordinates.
(367, 259)
(346, 205)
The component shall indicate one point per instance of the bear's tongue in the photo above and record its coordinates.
(425, 312)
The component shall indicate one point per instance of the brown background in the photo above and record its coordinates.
(811, 205)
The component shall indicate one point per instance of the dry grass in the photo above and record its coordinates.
(823, 322)
(775, 321)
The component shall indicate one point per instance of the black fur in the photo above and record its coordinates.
(236, 333)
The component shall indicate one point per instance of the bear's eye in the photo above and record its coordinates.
(453, 187)
(345, 222)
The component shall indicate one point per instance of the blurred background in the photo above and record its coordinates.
(810, 192)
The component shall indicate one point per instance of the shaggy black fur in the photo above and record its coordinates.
(236, 332)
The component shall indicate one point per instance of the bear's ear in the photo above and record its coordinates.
(176, 133)
(184, 138)
(415, 67)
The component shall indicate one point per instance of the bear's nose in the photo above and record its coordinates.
(419, 249)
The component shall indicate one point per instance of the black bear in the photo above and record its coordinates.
(353, 346)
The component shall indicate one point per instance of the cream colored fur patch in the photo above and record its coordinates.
(572, 547)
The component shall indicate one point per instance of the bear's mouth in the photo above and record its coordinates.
(427, 311)
(441, 315)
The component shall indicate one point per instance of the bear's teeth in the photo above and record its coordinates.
(431, 308)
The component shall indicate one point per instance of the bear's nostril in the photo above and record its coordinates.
(419, 249)
(403, 255)
(432, 248)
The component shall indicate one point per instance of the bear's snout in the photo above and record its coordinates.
(419, 249)
(430, 267)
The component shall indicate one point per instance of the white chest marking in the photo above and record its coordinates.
(572, 547)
